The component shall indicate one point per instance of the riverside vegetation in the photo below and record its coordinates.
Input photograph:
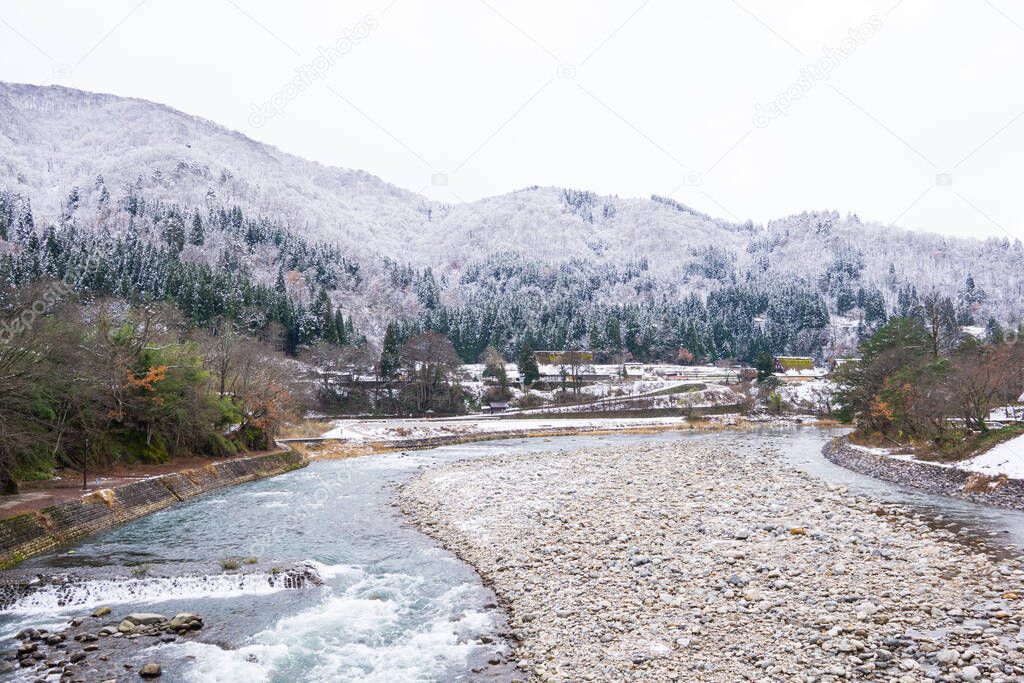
(921, 383)
(98, 385)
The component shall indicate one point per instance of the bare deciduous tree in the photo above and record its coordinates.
(431, 363)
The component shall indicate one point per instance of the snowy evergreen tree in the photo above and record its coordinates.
(322, 312)
(527, 365)
(197, 236)
(102, 193)
(174, 232)
(71, 204)
(390, 362)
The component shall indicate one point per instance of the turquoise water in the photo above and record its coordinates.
(393, 605)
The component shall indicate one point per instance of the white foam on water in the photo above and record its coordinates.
(331, 571)
(56, 599)
(211, 664)
(381, 629)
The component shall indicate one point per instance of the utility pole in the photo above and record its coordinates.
(85, 464)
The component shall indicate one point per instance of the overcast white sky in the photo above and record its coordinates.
(919, 122)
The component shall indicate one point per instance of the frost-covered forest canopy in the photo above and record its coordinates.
(133, 199)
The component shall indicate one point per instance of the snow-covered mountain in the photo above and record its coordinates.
(54, 139)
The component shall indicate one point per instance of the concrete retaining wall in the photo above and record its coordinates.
(37, 532)
(944, 481)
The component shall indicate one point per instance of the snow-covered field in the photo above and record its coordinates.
(1006, 458)
(371, 431)
(665, 385)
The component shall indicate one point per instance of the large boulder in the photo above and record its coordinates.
(184, 621)
(145, 618)
(150, 670)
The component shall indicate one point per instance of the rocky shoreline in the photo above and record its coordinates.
(944, 481)
(99, 647)
(106, 645)
(715, 561)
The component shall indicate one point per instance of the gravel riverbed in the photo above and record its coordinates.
(716, 561)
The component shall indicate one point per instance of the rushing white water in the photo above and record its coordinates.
(78, 596)
(361, 633)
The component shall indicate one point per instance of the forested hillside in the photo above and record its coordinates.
(127, 198)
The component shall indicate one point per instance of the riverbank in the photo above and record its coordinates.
(35, 532)
(946, 480)
(716, 561)
(350, 438)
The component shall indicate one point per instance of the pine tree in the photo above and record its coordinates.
(198, 235)
(71, 205)
(994, 332)
(25, 227)
(529, 372)
(174, 232)
(322, 312)
(340, 333)
(389, 360)
(765, 366)
(279, 285)
(104, 195)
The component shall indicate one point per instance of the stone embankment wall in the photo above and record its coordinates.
(36, 532)
(945, 481)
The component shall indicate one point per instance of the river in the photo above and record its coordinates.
(392, 606)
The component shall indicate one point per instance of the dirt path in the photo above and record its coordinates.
(40, 494)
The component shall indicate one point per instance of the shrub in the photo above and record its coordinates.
(220, 447)
(497, 394)
(564, 397)
(530, 400)
(129, 445)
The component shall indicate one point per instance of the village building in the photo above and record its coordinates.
(796, 368)
(563, 357)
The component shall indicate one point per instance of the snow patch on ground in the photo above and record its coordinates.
(1006, 458)
(815, 395)
(364, 431)
(873, 451)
